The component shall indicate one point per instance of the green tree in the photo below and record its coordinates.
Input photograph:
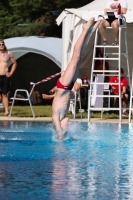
(34, 15)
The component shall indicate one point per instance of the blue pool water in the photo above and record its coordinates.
(94, 162)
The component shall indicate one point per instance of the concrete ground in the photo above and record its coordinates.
(49, 119)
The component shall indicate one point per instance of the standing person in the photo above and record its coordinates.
(112, 6)
(5, 57)
(65, 83)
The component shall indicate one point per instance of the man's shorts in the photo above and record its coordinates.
(4, 84)
(128, 91)
(110, 20)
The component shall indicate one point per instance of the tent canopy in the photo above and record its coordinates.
(46, 46)
(37, 58)
(73, 20)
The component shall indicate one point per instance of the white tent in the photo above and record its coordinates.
(37, 58)
(73, 19)
(46, 46)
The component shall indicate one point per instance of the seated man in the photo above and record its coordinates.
(124, 90)
(76, 87)
(49, 97)
(36, 98)
(112, 6)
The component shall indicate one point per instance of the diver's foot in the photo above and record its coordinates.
(87, 25)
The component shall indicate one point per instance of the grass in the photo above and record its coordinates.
(25, 111)
(46, 111)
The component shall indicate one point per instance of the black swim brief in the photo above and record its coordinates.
(110, 20)
(4, 84)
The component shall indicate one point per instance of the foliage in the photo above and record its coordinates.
(34, 15)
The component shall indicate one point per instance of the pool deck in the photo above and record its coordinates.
(49, 119)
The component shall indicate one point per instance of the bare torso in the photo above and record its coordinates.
(61, 103)
(4, 59)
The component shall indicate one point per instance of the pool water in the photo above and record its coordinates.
(94, 162)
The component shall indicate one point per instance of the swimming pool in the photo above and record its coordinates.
(94, 162)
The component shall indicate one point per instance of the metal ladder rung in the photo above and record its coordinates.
(115, 54)
(111, 27)
(116, 58)
(92, 83)
(99, 109)
(109, 71)
(107, 46)
(106, 58)
(107, 74)
(104, 95)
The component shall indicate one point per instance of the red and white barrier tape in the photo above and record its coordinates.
(46, 79)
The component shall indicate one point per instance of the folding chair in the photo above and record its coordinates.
(73, 103)
(23, 99)
(2, 106)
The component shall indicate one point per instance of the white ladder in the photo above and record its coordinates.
(131, 100)
(93, 71)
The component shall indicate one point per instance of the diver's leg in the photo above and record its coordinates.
(88, 36)
(69, 73)
(56, 120)
(64, 124)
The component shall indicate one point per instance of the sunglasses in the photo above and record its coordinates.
(2, 44)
